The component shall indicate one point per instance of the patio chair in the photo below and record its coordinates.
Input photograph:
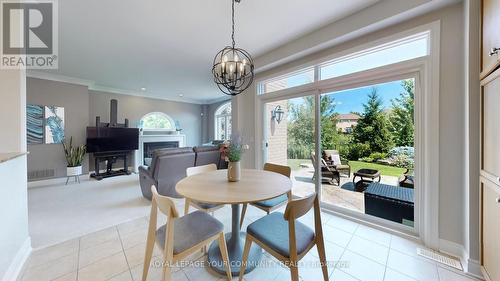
(407, 179)
(328, 173)
(332, 157)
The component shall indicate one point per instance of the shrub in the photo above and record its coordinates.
(375, 156)
(407, 151)
(366, 159)
(358, 150)
(402, 161)
(299, 152)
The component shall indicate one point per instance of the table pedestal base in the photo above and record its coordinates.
(235, 250)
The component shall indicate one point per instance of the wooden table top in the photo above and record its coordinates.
(213, 187)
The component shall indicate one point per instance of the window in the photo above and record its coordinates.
(298, 78)
(407, 48)
(397, 51)
(223, 122)
(157, 121)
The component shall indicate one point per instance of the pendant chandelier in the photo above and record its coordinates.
(233, 67)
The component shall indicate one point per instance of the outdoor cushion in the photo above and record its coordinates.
(272, 202)
(205, 205)
(272, 230)
(190, 230)
(336, 159)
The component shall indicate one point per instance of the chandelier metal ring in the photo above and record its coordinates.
(233, 68)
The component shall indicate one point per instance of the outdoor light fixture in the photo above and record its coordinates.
(277, 114)
(233, 68)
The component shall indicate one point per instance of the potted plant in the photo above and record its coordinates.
(232, 154)
(74, 157)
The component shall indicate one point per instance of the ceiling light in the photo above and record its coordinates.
(181, 95)
(233, 67)
(143, 89)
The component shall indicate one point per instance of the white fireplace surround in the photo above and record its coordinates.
(155, 136)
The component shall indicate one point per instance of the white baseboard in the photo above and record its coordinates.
(471, 267)
(16, 267)
(474, 268)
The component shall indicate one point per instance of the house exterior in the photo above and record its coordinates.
(346, 122)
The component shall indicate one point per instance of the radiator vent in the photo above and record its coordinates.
(438, 257)
(41, 174)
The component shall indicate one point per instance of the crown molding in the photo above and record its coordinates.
(92, 86)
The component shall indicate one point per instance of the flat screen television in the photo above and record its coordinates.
(112, 139)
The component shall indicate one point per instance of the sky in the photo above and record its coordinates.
(352, 100)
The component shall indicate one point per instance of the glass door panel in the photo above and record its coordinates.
(367, 144)
(289, 134)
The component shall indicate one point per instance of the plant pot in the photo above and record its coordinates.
(233, 171)
(73, 171)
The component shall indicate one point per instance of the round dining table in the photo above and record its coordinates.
(213, 187)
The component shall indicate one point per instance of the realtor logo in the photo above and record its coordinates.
(29, 34)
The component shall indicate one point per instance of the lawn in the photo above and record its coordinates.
(356, 165)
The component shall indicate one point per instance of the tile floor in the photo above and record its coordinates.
(117, 254)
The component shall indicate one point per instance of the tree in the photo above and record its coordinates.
(402, 116)
(373, 126)
(301, 125)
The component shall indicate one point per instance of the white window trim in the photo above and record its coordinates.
(170, 119)
(226, 117)
(426, 72)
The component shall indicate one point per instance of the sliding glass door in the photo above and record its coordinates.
(367, 144)
(290, 139)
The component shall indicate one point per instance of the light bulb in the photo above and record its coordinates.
(224, 58)
(236, 58)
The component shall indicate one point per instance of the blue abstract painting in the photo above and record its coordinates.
(34, 124)
(54, 124)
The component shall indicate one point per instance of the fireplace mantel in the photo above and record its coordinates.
(161, 137)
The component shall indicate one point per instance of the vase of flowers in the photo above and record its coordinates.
(232, 154)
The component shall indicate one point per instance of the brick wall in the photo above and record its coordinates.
(277, 135)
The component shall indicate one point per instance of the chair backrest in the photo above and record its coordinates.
(280, 169)
(200, 169)
(299, 207)
(163, 203)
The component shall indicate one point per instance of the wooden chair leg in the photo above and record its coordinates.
(295, 272)
(186, 206)
(150, 243)
(225, 256)
(243, 211)
(322, 258)
(166, 270)
(244, 259)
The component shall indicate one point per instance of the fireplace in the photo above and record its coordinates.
(150, 141)
(150, 147)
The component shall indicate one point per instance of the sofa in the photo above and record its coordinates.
(168, 166)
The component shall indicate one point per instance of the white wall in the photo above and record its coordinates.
(451, 100)
(14, 238)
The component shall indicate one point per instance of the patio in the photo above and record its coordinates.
(342, 196)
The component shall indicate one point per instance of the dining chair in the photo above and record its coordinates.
(205, 207)
(180, 236)
(287, 239)
(270, 205)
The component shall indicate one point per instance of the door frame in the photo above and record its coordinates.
(426, 72)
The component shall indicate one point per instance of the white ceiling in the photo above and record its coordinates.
(168, 46)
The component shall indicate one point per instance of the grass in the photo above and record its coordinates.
(356, 165)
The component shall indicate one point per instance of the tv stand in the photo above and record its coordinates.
(111, 158)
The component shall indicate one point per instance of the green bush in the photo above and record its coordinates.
(402, 161)
(378, 156)
(366, 159)
(358, 150)
(299, 152)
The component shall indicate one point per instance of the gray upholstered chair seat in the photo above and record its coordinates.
(184, 236)
(205, 205)
(272, 202)
(272, 230)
